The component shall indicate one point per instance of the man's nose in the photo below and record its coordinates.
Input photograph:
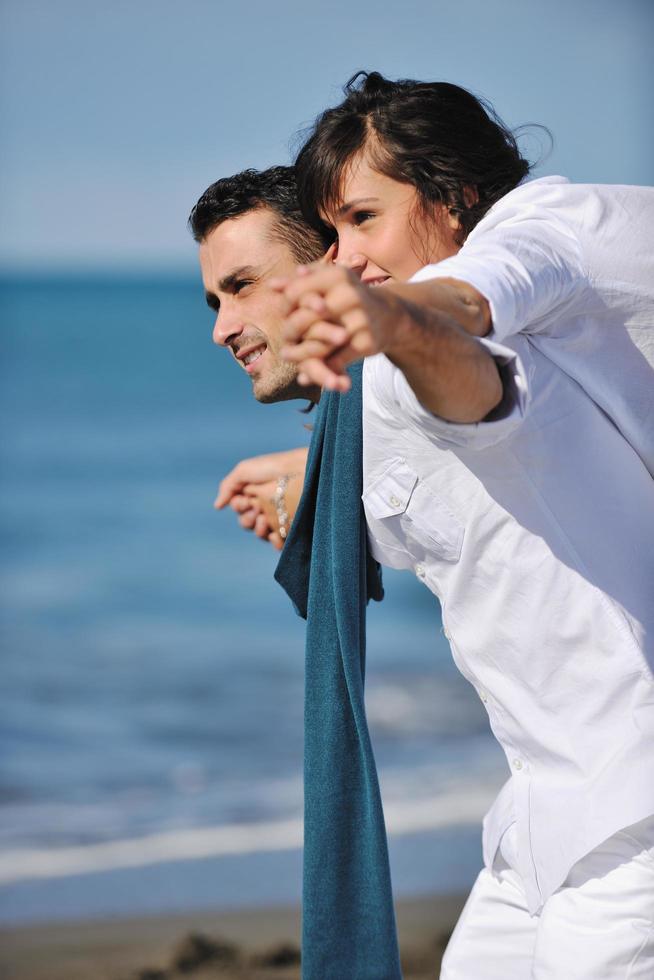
(228, 327)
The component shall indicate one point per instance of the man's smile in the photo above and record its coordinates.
(249, 355)
(253, 356)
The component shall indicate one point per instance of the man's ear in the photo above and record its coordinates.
(331, 254)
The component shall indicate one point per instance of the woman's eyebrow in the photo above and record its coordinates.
(344, 208)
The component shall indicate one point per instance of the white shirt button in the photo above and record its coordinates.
(517, 764)
(484, 697)
(420, 570)
(395, 501)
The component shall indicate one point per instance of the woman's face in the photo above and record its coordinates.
(383, 234)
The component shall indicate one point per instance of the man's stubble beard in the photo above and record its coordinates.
(282, 385)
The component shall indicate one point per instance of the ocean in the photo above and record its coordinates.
(152, 670)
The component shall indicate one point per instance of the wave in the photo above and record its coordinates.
(459, 806)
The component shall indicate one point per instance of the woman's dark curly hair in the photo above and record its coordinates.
(436, 136)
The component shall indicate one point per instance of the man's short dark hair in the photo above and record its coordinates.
(252, 189)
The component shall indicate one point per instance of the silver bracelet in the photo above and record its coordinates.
(280, 505)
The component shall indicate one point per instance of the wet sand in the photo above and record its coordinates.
(247, 944)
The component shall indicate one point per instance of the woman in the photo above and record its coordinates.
(511, 478)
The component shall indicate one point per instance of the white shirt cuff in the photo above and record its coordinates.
(500, 423)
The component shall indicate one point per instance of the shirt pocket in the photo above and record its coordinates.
(403, 512)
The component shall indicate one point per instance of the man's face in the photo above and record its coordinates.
(238, 260)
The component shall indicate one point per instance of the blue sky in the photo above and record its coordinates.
(116, 115)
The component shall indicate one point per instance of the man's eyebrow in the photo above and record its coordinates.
(349, 205)
(228, 282)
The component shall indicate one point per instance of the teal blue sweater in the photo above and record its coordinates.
(348, 923)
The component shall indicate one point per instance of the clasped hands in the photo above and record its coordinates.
(249, 489)
(333, 319)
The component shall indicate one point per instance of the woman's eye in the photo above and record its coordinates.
(360, 216)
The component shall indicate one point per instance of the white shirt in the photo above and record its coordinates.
(572, 265)
(536, 532)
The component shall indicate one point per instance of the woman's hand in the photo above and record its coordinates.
(250, 489)
(334, 319)
(424, 329)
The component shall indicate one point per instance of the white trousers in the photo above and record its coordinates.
(598, 926)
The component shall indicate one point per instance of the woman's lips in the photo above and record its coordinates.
(375, 280)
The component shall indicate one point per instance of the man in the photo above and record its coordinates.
(345, 854)
(487, 513)
(250, 230)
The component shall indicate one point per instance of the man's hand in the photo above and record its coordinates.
(249, 489)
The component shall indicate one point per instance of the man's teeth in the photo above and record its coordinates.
(253, 355)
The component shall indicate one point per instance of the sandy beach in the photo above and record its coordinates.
(249, 944)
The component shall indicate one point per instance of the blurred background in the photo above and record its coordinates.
(152, 671)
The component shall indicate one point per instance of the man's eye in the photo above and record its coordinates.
(360, 216)
(241, 284)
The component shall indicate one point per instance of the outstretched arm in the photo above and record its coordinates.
(426, 329)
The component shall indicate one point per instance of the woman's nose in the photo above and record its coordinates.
(354, 260)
